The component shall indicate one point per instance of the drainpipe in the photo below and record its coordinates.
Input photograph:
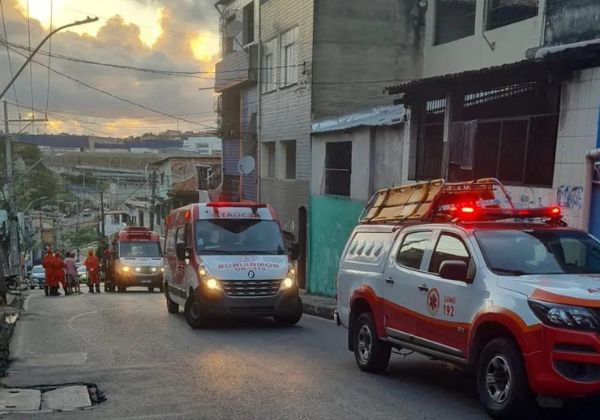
(259, 111)
(590, 160)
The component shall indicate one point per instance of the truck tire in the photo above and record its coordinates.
(151, 289)
(371, 353)
(172, 307)
(192, 313)
(289, 320)
(121, 288)
(502, 381)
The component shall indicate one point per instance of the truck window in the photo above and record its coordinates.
(449, 247)
(139, 249)
(239, 237)
(413, 248)
(170, 241)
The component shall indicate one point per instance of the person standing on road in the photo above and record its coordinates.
(92, 264)
(48, 264)
(59, 272)
(72, 278)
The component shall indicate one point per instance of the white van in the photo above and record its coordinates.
(229, 260)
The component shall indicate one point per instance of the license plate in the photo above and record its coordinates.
(146, 281)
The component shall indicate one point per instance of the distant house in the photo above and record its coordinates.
(205, 146)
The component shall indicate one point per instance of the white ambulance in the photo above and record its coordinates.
(456, 272)
(227, 259)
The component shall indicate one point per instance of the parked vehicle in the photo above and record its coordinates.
(446, 270)
(227, 260)
(135, 259)
(82, 273)
(37, 277)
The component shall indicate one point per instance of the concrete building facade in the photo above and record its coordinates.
(515, 85)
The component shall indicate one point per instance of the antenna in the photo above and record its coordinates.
(246, 165)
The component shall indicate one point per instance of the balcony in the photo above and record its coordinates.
(235, 69)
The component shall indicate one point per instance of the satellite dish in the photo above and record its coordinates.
(246, 165)
(233, 28)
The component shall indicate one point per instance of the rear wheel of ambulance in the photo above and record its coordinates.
(502, 381)
(193, 313)
(371, 353)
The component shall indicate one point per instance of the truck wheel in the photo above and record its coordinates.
(289, 320)
(502, 381)
(172, 307)
(161, 288)
(371, 353)
(151, 289)
(192, 313)
(121, 289)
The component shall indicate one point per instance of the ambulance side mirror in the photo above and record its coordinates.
(294, 251)
(454, 270)
(180, 250)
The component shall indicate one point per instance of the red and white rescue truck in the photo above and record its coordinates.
(225, 259)
(456, 272)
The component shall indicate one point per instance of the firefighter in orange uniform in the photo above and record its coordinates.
(48, 264)
(92, 263)
(59, 273)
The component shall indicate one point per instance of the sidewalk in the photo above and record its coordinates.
(318, 305)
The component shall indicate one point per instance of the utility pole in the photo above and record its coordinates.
(152, 200)
(77, 209)
(14, 252)
(102, 214)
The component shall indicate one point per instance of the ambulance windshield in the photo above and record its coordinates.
(539, 251)
(239, 237)
(139, 250)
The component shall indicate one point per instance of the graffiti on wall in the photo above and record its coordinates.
(570, 197)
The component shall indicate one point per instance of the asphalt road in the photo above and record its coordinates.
(151, 365)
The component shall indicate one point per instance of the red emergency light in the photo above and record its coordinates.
(473, 213)
(217, 204)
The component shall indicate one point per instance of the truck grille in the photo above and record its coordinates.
(250, 288)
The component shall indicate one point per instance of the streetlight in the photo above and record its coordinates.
(18, 73)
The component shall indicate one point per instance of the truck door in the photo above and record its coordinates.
(457, 302)
(403, 290)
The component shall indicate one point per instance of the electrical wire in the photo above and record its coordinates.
(49, 60)
(9, 58)
(107, 93)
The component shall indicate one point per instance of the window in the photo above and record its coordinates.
(239, 237)
(338, 168)
(268, 66)
(289, 57)
(539, 251)
(141, 217)
(454, 19)
(504, 12)
(413, 248)
(139, 249)
(248, 21)
(269, 159)
(115, 219)
(448, 248)
(289, 151)
(226, 41)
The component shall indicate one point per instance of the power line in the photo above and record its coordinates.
(105, 92)
(9, 59)
(49, 60)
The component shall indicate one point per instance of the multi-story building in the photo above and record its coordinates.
(511, 90)
(317, 59)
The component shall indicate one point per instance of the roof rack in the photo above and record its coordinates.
(438, 201)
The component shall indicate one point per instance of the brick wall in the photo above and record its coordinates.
(286, 112)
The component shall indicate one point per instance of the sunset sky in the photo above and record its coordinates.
(173, 35)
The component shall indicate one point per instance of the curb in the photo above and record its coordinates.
(315, 310)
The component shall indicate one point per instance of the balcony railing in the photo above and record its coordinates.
(236, 68)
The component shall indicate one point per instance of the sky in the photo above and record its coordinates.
(174, 35)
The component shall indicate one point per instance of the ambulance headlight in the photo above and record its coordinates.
(212, 284)
(154, 269)
(162, 269)
(564, 316)
(203, 272)
(125, 269)
(287, 283)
